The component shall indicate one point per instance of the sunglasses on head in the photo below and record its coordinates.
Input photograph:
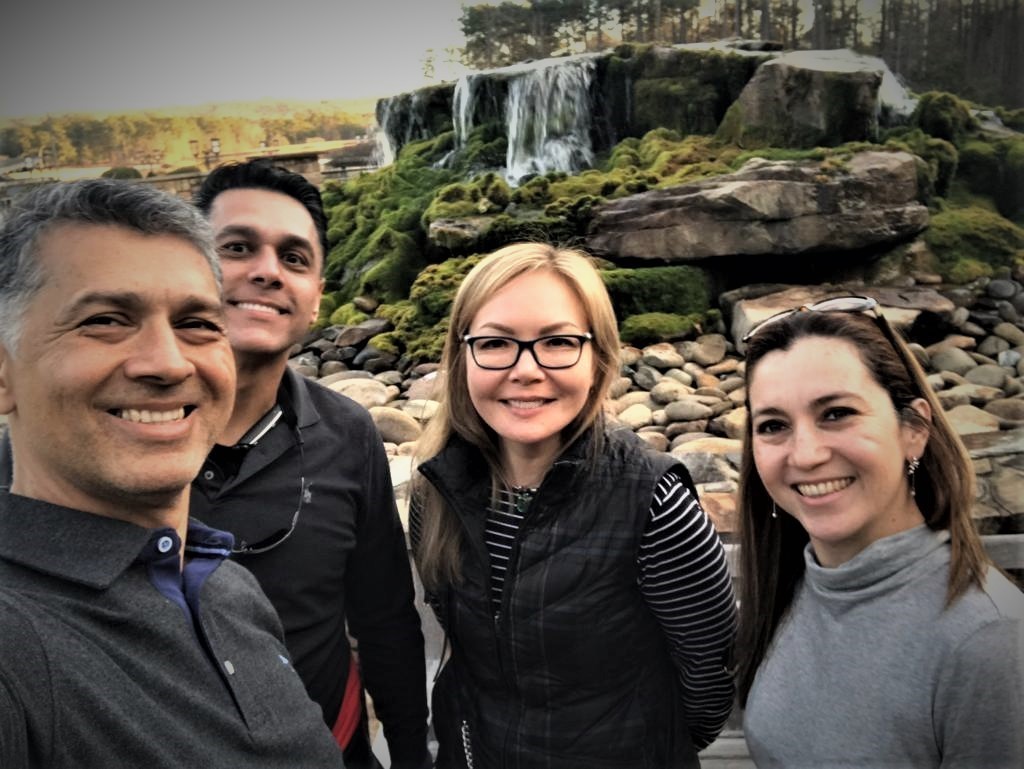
(835, 304)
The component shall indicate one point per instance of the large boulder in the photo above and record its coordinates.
(900, 306)
(807, 99)
(768, 207)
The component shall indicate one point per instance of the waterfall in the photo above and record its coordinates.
(462, 108)
(544, 106)
(549, 118)
(384, 150)
(400, 120)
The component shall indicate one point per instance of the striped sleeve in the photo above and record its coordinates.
(415, 536)
(685, 581)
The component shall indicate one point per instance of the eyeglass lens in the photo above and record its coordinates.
(500, 352)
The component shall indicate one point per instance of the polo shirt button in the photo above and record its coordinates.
(229, 667)
(164, 544)
(208, 475)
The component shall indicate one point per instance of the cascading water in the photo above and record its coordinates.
(462, 108)
(546, 110)
(400, 120)
(549, 118)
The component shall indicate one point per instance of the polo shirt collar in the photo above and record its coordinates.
(85, 548)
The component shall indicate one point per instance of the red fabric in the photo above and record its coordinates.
(351, 707)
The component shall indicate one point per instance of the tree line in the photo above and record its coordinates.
(974, 48)
(156, 141)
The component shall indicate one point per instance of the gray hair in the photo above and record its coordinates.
(136, 207)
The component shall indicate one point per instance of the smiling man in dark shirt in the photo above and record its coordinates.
(126, 637)
(300, 477)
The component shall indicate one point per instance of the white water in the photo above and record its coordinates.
(547, 113)
(549, 118)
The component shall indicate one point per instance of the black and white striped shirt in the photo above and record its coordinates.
(683, 579)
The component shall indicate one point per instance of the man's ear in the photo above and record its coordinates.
(6, 385)
(316, 307)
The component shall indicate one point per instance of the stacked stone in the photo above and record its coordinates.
(688, 398)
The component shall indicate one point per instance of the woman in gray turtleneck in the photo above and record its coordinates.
(874, 632)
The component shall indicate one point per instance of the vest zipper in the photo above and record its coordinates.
(467, 746)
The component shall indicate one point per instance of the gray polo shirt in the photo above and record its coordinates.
(112, 657)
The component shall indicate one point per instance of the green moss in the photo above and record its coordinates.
(940, 156)
(421, 321)
(486, 147)
(535, 193)
(344, 315)
(486, 194)
(685, 104)
(944, 116)
(1011, 195)
(1012, 118)
(964, 236)
(434, 289)
(980, 166)
(652, 327)
(328, 304)
(677, 289)
(965, 269)
(388, 342)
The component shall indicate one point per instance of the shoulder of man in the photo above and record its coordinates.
(335, 407)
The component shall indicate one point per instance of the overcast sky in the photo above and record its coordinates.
(100, 55)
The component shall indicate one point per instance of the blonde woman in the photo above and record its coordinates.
(583, 589)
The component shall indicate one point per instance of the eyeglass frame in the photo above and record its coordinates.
(281, 535)
(527, 344)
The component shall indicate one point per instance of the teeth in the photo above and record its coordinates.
(258, 308)
(525, 404)
(821, 489)
(145, 416)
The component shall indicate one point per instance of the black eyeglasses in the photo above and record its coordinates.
(279, 536)
(835, 304)
(496, 353)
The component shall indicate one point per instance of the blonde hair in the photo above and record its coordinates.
(437, 553)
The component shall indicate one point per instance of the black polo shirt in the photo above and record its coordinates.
(111, 656)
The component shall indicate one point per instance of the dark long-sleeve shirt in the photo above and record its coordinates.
(346, 562)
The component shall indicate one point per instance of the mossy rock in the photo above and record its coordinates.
(980, 166)
(387, 342)
(685, 104)
(428, 344)
(328, 304)
(434, 289)
(488, 193)
(941, 157)
(1011, 197)
(345, 315)
(652, 327)
(374, 230)
(678, 290)
(972, 242)
(534, 193)
(1012, 118)
(421, 321)
(485, 147)
(944, 116)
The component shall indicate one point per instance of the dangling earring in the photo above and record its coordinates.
(775, 510)
(912, 464)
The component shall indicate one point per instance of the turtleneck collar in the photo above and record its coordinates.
(882, 566)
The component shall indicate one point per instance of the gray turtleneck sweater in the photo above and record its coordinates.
(869, 669)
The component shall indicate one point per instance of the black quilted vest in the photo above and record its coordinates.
(574, 671)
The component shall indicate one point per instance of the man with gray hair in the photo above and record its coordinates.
(126, 638)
